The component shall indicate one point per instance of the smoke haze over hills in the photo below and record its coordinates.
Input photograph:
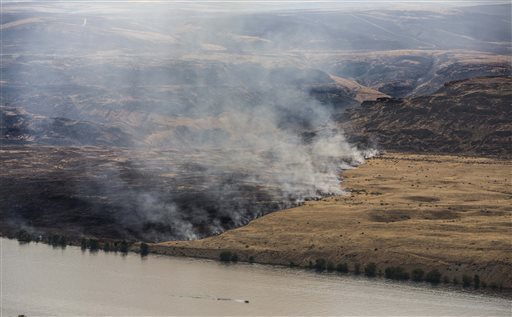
(174, 121)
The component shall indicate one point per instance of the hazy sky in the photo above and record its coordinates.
(273, 5)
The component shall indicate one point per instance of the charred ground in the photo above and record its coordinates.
(470, 117)
(102, 114)
(128, 194)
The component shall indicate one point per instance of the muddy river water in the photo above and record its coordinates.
(40, 280)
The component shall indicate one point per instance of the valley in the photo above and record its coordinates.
(287, 136)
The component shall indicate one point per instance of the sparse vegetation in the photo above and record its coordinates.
(370, 269)
(144, 249)
(342, 268)
(83, 244)
(433, 276)
(396, 273)
(417, 275)
(228, 256)
(476, 281)
(23, 236)
(93, 245)
(57, 240)
(466, 280)
(357, 269)
(225, 256)
(62, 241)
(123, 247)
(320, 265)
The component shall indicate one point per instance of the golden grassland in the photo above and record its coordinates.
(415, 211)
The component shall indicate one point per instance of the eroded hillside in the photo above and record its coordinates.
(471, 116)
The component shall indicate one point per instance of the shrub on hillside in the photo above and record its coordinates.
(396, 273)
(320, 265)
(370, 269)
(433, 276)
(342, 268)
(466, 280)
(123, 247)
(62, 241)
(57, 240)
(417, 275)
(476, 281)
(357, 269)
(83, 244)
(53, 240)
(93, 244)
(144, 249)
(23, 236)
(225, 256)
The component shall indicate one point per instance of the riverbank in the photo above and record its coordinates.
(39, 280)
(416, 212)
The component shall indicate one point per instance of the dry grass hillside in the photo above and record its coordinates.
(415, 211)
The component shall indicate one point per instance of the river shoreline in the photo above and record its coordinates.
(412, 212)
(41, 280)
(406, 211)
(134, 249)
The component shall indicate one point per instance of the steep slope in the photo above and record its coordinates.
(471, 116)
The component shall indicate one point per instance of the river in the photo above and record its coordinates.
(38, 279)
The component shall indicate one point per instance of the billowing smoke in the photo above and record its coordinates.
(241, 150)
(177, 120)
(158, 126)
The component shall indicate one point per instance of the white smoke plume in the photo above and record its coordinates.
(217, 127)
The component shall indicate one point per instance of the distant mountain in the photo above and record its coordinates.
(472, 117)
(57, 29)
(404, 73)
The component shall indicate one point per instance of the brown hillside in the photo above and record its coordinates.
(471, 117)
